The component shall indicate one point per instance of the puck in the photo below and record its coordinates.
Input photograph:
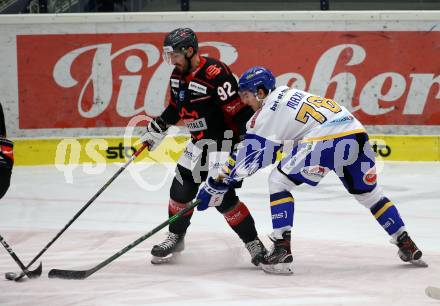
(10, 275)
(433, 292)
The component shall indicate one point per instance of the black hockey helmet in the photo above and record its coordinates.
(180, 40)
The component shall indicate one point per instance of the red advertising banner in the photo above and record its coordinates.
(103, 80)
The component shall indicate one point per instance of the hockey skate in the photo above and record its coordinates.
(279, 260)
(167, 250)
(408, 250)
(257, 250)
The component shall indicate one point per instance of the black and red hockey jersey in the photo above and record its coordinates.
(207, 101)
(6, 146)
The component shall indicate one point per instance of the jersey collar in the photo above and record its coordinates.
(191, 76)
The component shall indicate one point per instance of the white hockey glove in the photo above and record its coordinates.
(155, 133)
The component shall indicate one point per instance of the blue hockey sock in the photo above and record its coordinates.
(387, 215)
(282, 209)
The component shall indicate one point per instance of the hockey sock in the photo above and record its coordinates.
(282, 208)
(181, 224)
(387, 215)
(241, 221)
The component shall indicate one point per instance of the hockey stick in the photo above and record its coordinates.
(31, 274)
(433, 292)
(83, 274)
(135, 154)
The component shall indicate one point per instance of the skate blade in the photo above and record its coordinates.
(419, 263)
(155, 260)
(280, 269)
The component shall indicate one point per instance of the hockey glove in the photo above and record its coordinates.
(6, 153)
(228, 169)
(211, 193)
(155, 133)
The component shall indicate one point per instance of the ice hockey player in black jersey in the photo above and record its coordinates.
(204, 95)
(6, 156)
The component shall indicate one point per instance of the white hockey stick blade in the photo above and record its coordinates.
(433, 292)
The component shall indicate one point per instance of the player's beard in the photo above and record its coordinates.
(185, 68)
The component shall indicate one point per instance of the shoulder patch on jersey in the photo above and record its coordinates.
(197, 87)
(212, 71)
(174, 83)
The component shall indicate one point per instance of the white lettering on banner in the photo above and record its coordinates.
(371, 96)
(101, 78)
(372, 91)
(382, 89)
(346, 82)
(228, 53)
(418, 92)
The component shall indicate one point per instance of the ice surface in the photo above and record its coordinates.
(341, 255)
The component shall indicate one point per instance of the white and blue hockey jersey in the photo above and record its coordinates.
(291, 114)
(288, 115)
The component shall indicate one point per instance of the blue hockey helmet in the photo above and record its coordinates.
(255, 78)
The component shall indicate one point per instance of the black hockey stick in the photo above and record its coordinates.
(31, 274)
(83, 274)
(135, 154)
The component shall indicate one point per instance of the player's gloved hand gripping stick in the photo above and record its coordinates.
(211, 193)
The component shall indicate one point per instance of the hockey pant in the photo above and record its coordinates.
(352, 159)
(184, 189)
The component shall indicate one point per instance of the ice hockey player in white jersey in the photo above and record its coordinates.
(316, 135)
